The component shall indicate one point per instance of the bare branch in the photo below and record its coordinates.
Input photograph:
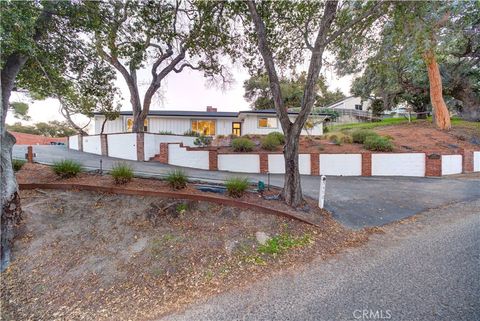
(179, 70)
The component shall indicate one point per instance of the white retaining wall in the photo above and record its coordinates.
(73, 142)
(476, 161)
(180, 156)
(408, 164)
(249, 163)
(341, 164)
(452, 164)
(152, 143)
(91, 144)
(276, 164)
(122, 146)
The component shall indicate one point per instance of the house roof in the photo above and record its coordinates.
(214, 114)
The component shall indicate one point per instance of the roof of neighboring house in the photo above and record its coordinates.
(31, 139)
(188, 113)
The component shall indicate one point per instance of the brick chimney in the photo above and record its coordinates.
(210, 109)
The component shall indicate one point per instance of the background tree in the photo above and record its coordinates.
(164, 36)
(281, 31)
(257, 92)
(52, 128)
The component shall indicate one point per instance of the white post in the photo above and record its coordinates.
(321, 196)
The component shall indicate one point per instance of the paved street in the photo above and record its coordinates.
(354, 201)
(423, 271)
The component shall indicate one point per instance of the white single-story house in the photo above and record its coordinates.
(210, 122)
(352, 102)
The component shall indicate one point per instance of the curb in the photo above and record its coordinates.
(172, 194)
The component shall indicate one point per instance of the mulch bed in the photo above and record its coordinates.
(85, 255)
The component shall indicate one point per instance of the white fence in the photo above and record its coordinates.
(408, 164)
(249, 163)
(276, 164)
(122, 146)
(73, 142)
(452, 164)
(152, 143)
(92, 144)
(341, 164)
(180, 156)
(476, 161)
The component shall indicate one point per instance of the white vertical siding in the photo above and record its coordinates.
(111, 126)
(408, 164)
(250, 126)
(452, 164)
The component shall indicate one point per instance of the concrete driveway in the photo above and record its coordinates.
(354, 201)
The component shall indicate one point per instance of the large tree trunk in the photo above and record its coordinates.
(10, 200)
(442, 116)
(292, 188)
(470, 101)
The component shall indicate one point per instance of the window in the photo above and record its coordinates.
(358, 107)
(204, 127)
(130, 125)
(267, 122)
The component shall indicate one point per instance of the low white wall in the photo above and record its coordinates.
(341, 164)
(476, 161)
(152, 143)
(239, 163)
(276, 164)
(122, 145)
(91, 144)
(180, 156)
(408, 164)
(73, 142)
(452, 164)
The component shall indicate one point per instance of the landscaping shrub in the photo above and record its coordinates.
(122, 173)
(165, 132)
(359, 135)
(236, 186)
(191, 133)
(67, 168)
(202, 141)
(378, 143)
(242, 144)
(177, 179)
(270, 142)
(339, 138)
(17, 164)
(278, 136)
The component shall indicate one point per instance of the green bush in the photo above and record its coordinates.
(165, 132)
(359, 135)
(122, 173)
(242, 144)
(202, 141)
(236, 186)
(278, 136)
(18, 164)
(177, 179)
(191, 133)
(270, 142)
(67, 168)
(378, 143)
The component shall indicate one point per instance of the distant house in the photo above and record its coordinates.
(210, 122)
(354, 103)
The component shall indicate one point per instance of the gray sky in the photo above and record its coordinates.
(188, 90)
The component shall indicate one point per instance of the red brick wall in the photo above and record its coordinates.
(104, 144)
(433, 164)
(366, 164)
(213, 160)
(315, 164)
(140, 147)
(263, 163)
(163, 157)
(467, 160)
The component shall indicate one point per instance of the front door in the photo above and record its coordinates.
(237, 129)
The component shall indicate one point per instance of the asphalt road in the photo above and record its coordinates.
(354, 201)
(424, 270)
